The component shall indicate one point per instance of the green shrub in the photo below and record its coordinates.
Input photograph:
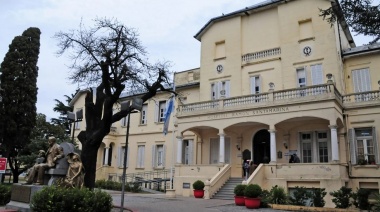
(300, 196)
(133, 187)
(317, 195)
(278, 195)
(239, 189)
(376, 206)
(198, 185)
(265, 199)
(56, 199)
(361, 199)
(109, 185)
(342, 197)
(252, 191)
(5, 194)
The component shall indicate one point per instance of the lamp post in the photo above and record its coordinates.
(136, 104)
(71, 117)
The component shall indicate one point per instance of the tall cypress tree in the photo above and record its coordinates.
(19, 94)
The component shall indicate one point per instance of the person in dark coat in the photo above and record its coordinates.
(296, 158)
(291, 159)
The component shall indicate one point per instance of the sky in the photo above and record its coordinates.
(166, 29)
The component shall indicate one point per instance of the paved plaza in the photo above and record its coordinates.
(159, 202)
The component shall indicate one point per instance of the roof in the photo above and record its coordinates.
(76, 97)
(367, 49)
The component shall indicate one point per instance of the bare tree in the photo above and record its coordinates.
(110, 56)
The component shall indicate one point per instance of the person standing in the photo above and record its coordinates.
(37, 172)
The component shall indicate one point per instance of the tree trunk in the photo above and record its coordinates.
(89, 157)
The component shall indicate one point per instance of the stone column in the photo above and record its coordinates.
(334, 143)
(221, 148)
(106, 155)
(179, 149)
(273, 149)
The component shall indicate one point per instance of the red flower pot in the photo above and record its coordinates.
(239, 200)
(199, 193)
(252, 203)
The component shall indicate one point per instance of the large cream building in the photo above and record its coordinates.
(274, 79)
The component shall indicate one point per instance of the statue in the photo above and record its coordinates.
(75, 173)
(36, 173)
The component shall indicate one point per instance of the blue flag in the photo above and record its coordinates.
(168, 111)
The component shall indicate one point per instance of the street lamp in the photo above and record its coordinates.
(71, 117)
(137, 106)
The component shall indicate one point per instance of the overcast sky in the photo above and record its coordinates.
(166, 29)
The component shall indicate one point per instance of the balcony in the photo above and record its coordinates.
(257, 57)
(273, 98)
(361, 99)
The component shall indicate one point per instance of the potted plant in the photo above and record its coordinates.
(198, 187)
(251, 194)
(239, 194)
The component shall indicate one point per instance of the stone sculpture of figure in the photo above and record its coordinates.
(75, 173)
(54, 153)
(40, 159)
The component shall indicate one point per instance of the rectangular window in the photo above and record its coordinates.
(140, 156)
(301, 77)
(365, 146)
(158, 156)
(144, 114)
(316, 74)
(159, 111)
(315, 147)
(124, 121)
(322, 147)
(361, 80)
(306, 144)
(220, 90)
(255, 85)
(77, 123)
(121, 156)
(214, 91)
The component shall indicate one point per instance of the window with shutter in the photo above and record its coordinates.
(316, 74)
(161, 111)
(361, 80)
(124, 121)
(364, 142)
(144, 114)
(301, 77)
(121, 157)
(140, 156)
(255, 85)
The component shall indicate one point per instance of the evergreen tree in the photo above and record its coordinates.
(362, 16)
(19, 73)
(63, 108)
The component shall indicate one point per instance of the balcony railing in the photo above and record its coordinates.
(304, 93)
(362, 97)
(261, 54)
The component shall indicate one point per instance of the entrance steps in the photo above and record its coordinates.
(227, 190)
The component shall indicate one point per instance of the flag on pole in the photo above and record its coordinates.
(168, 111)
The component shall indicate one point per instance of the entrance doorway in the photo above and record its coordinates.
(261, 147)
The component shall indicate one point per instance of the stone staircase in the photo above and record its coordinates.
(227, 190)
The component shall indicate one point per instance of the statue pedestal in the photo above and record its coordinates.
(21, 195)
